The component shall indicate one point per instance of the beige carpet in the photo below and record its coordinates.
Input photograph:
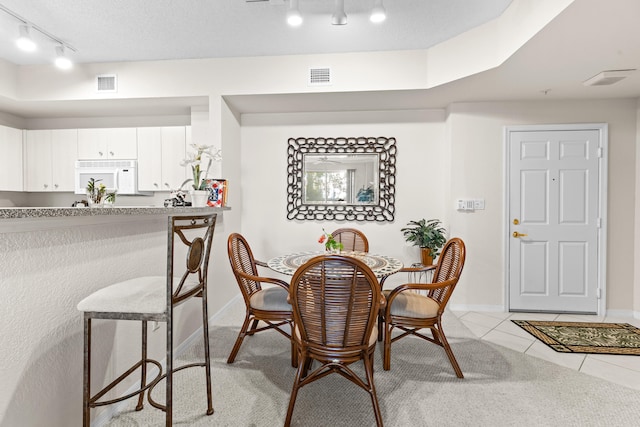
(501, 388)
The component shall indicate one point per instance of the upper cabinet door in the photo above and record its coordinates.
(11, 164)
(122, 143)
(173, 152)
(92, 144)
(150, 159)
(160, 151)
(110, 143)
(38, 161)
(64, 153)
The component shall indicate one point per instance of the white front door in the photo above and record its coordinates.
(557, 190)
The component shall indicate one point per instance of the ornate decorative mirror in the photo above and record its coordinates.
(341, 178)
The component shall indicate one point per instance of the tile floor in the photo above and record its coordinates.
(498, 329)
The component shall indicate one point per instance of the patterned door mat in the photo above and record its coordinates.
(585, 337)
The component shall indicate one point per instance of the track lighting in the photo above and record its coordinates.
(24, 41)
(378, 13)
(294, 18)
(62, 61)
(339, 17)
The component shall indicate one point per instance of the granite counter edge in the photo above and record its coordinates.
(39, 212)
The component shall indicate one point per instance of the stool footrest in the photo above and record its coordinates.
(93, 403)
(157, 380)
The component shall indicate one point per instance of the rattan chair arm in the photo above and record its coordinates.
(261, 263)
(421, 269)
(261, 279)
(416, 287)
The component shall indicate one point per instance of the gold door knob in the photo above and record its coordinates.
(516, 234)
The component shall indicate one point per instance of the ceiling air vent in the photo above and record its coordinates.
(609, 77)
(319, 76)
(106, 83)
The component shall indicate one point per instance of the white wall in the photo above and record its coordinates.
(477, 171)
(419, 190)
(439, 160)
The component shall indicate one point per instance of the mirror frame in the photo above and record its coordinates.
(386, 150)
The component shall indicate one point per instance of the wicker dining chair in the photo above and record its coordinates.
(268, 304)
(154, 298)
(352, 239)
(411, 311)
(335, 302)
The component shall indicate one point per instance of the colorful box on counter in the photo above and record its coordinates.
(217, 192)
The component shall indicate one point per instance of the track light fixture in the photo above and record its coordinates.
(378, 13)
(339, 17)
(24, 40)
(62, 61)
(294, 18)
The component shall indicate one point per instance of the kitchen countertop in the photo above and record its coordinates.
(42, 212)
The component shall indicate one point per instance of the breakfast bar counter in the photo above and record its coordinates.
(50, 259)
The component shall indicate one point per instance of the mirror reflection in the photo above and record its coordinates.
(340, 179)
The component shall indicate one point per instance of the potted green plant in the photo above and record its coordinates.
(429, 236)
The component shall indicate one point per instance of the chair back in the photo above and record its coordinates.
(192, 234)
(243, 265)
(352, 239)
(449, 268)
(335, 302)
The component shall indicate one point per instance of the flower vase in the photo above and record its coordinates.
(93, 203)
(199, 198)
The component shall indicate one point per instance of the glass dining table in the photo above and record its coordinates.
(381, 265)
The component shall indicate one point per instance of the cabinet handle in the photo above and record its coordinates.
(111, 153)
(100, 153)
(46, 186)
(166, 184)
(55, 185)
(155, 184)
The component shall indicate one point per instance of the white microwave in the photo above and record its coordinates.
(118, 175)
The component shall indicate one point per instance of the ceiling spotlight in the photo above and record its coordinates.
(339, 17)
(25, 42)
(294, 18)
(378, 13)
(62, 61)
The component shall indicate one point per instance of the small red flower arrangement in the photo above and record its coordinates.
(330, 244)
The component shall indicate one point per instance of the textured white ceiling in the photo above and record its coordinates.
(136, 30)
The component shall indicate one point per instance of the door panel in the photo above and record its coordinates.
(553, 209)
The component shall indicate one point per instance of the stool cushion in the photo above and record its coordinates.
(139, 295)
(412, 304)
(271, 299)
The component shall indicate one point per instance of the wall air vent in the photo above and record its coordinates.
(320, 76)
(106, 83)
(609, 77)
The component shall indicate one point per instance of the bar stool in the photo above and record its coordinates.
(153, 299)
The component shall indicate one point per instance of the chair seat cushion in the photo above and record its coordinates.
(412, 304)
(271, 299)
(139, 295)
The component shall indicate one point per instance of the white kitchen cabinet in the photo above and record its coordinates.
(11, 165)
(107, 143)
(50, 159)
(160, 151)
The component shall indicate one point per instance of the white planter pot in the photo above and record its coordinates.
(199, 198)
